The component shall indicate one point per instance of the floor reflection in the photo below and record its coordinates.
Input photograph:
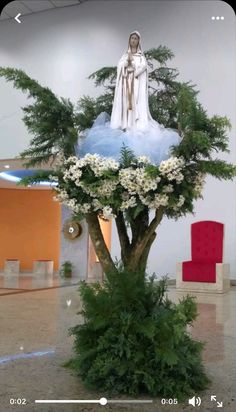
(11, 283)
(207, 329)
(214, 317)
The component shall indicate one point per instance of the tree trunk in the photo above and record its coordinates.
(142, 265)
(139, 225)
(99, 243)
(138, 255)
(123, 237)
(134, 255)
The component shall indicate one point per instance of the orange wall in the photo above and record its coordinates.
(106, 231)
(29, 227)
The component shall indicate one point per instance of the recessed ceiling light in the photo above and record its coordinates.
(15, 176)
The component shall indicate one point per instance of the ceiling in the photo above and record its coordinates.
(26, 7)
(17, 164)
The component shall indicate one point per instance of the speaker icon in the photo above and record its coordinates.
(195, 401)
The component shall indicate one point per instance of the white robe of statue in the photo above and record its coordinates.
(130, 106)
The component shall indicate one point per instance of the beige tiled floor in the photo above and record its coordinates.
(38, 320)
(29, 281)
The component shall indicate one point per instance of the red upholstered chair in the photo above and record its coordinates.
(206, 271)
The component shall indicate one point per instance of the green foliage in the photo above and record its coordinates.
(160, 54)
(89, 108)
(103, 75)
(134, 339)
(66, 269)
(218, 168)
(127, 156)
(38, 176)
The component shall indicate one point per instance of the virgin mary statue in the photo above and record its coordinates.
(131, 123)
(130, 106)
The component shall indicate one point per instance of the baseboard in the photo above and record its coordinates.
(172, 282)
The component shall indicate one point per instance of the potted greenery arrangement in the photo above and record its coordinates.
(133, 340)
(66, 269)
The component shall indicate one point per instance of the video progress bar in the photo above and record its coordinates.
(102, 401)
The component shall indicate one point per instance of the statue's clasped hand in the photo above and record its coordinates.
(130, 69)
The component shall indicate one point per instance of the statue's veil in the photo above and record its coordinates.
(139, 49)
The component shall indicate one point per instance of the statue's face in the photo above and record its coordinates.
(134, 40)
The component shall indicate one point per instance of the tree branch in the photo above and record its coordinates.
(139, 225)
(144, 238)
(123, 236)
(144, 256)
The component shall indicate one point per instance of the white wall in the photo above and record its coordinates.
(61, 47)
(75, 252)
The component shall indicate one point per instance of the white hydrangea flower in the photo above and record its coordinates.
(145, 200)
(126, 204)
(179, 178)
(127, 179)
(90, 158)
(99, 164)
(137, 180)
(81, 163)
(181, 201)
(73, 173)
(175, 175)
(112, 164)
(168, 189)
(143, 159)
(85, 208)
(62, 195)
(179, 204)
(66, 175)
(199, 183)
(160, 200)
(171, 168)
(71, 159)
(107, 187)
(53, 178)
(96, 204)
(107, 212)
(71, 203)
